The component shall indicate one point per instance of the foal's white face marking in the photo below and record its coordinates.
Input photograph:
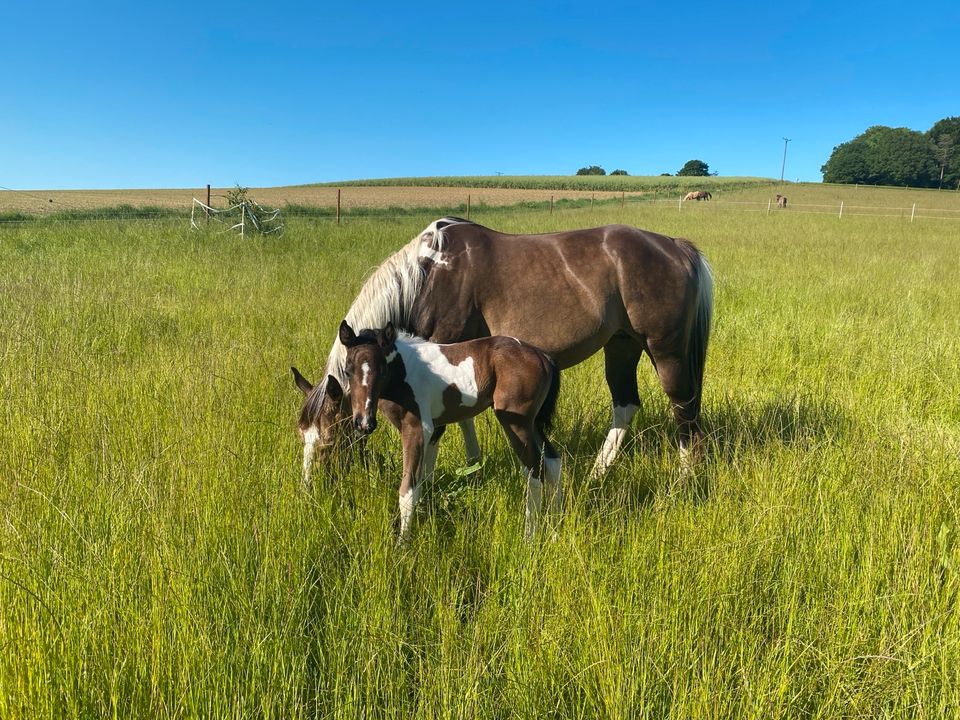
(430, 372)
(366, 372)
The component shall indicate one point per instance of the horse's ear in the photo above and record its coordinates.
(301, 381)
(347, 336)
(389, 334)
(334, 391)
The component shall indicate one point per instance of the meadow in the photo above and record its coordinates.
(159, 557)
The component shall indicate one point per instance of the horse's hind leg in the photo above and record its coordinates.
(552, 482)
(678, 383)
(621, 355)
(522, 434)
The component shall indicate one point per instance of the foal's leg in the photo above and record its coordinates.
(621, 355)
(553, 484)
(430, 451)
(522, 435)
(412, 437)
(469, 431)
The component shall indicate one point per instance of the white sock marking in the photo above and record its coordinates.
(534, 505)
(622, 415)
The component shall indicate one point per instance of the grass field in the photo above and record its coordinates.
(158, 557)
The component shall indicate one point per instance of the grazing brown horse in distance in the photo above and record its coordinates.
(698, 195)
(421, 387)
(626, 291)
(781, 200)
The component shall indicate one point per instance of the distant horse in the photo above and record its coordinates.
(698, 195)
(781, 200)
(421, 387)
(625, 290)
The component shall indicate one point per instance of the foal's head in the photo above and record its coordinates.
(368, 355)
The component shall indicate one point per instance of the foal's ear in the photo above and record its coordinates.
(301, 381)
(334, 391)
(347, 336)
(389, 334)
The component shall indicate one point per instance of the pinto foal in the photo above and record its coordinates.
(421, 387)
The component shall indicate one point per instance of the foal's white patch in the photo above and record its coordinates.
(428, 252)
(366, 372)
(429, 373)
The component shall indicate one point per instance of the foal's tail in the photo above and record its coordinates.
(544, 418)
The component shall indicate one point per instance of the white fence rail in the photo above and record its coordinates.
(839, 209)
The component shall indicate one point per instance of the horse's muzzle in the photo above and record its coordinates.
(364, 425)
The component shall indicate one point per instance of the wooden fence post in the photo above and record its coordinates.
(338, 206)
(551, 204)
(591, 200)
(841, 208)
(468, 206)
(768, 206)
(207, 210)
(913, 212)
(623, 199)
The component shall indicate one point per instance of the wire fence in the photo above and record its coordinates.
(333, 213)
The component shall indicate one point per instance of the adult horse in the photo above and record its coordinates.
(619, 288)
(698, 195)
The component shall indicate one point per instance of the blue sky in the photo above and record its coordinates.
(115, 95)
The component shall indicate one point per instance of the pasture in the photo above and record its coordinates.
(159, 558)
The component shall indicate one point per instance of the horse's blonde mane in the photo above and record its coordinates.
(389, 293)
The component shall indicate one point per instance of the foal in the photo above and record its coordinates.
(421, 387)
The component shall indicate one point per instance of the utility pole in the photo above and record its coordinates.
(784, 165)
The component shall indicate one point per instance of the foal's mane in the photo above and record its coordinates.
(390, 291)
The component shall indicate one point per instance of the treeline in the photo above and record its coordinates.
(899, 156)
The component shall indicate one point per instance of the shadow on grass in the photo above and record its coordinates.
(649, 464)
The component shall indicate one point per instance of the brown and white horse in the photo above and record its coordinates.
(421, 387)
(781, 201)
(698, 195)
(627, 291)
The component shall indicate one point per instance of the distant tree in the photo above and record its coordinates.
(619, 172)
(694, 168)
(592, 170)
(945, 136)
(884, 156)
(848, 164)
(666, 175)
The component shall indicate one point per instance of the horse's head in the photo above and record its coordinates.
(368, 355)
(325, 407)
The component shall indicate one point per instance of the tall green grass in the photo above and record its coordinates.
(158, 557)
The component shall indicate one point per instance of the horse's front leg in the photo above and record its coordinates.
(413, 434)
(470, 441)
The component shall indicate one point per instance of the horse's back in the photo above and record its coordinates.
(565, 292)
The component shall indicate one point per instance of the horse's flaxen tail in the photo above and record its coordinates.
(544, 419)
